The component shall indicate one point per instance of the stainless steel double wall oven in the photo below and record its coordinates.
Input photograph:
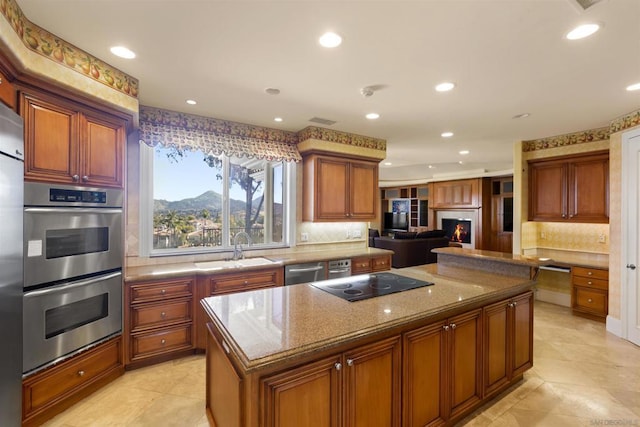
(72, 270)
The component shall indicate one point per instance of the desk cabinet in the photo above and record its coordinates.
(590, 292)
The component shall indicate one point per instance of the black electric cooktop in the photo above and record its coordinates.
(357, 288)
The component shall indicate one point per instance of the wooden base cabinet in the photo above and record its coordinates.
(159, 320)
(364, 265)
(442, 370)
(357, 388)
(508, 341)
(590, 292)
(49, 392)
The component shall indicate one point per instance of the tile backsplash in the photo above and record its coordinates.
(568, 236)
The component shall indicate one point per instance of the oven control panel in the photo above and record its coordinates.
(60, 195)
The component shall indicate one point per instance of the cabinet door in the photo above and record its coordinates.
(465, 355)
(372, 385)
(548, 191)
(589, 192)
(463, 193)
(102, 151)
(522, 334)
(495, 343)
(423, 374)
(363, 183)
(308, 396)
(51, 140)
(7, 92)
(331, 192)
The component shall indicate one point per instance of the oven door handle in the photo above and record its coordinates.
(72, 285)
(305, 270)
(74, 210)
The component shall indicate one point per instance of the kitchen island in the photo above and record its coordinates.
(299, 356)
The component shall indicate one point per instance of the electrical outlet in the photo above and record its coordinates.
(356, 234)
(602, 238)
(543, 235)
(304, 237)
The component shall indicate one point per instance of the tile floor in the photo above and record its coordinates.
(582, 376)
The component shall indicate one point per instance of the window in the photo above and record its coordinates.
(198, 202)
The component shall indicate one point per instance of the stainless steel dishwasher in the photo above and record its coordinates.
(305, 273)
(339, 268)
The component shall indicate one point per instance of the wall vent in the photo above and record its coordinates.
(322, 121)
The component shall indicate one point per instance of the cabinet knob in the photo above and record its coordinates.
(564, 216)
(164, 291)
(338, 366)
(631, 266)
(589, 273)
(445, 327)
(515, 303)
(163, 341)
(246, 282)
(163, 314)
(81, 373)
(510, 305)
(75, 178)
(589, 282)
(453, 326)
(350, 362)
(85, 178)
(590, 300)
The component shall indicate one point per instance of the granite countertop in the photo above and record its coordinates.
(575, 259)
(275, 325)
(163, 271)
(526, 260)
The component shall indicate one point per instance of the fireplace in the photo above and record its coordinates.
(459, 226)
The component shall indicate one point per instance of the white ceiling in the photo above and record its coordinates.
(507, 57)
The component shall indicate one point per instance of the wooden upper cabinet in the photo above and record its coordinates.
(339, 189)
(7, 92)
(463, 193)
(66, 145)
(570, 189)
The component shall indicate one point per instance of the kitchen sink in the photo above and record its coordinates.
(246, 262)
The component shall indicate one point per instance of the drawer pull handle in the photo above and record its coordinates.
(163, 341)
(163, 314)
(590, 300)
(81, 373)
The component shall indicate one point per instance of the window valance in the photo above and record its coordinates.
(188, 132)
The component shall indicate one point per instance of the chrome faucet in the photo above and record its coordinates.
(237, 250)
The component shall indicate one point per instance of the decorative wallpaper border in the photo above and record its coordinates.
(330, 135)
(54, 48)
(567, 139)
(625, 122)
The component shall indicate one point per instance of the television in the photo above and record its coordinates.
(396, 221)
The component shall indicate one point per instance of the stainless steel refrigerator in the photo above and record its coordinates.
(11, 265)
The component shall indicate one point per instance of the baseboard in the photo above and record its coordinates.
(614, 326)
(553, 297)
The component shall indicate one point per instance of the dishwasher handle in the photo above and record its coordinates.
(306, 269)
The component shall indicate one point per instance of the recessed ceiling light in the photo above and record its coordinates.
(277, 119)
(388, 163)
(272, 91)
(330, 40)
(446, 134)
(445, 86)
(372, 116)
(122, 52)
(191, 102)
(582, 31)
(430, 166)
(461, 162)
(635, 86)
(521, 116)
(464, 152)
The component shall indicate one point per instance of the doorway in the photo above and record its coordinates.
(630, 279)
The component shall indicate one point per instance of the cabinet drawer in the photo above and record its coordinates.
(381, 263)
(60, 381)
(157, 315)
(590, 282)
(141, 292)
(592, 301)
(591, 272)
(360, 265)
(163, 341)
(246, 281)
